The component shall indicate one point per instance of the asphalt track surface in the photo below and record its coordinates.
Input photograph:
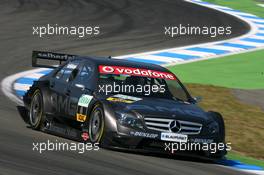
(126, 27)
(252, 97)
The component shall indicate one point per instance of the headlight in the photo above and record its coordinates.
(130, 120)
(213, 127)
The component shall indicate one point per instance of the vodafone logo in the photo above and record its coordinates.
(107, 69)
(103, 69)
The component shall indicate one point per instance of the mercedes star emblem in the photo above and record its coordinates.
(175, 126)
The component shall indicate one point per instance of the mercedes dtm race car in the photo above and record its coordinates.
(120, 104)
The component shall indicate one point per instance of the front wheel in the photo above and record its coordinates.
(221, 135)
(96, 124)
(36, 116)
(219, 119)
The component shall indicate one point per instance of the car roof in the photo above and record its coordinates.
(124, 63)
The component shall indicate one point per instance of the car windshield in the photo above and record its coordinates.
(141, 86)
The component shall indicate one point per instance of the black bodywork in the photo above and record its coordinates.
(60, 99)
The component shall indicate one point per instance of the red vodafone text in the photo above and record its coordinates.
(103, 69)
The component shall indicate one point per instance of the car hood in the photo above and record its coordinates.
(162, 108)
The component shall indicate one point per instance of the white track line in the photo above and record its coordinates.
(242, 13)
(256, 20)
(254, 172)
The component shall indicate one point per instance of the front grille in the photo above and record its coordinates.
(163, 124)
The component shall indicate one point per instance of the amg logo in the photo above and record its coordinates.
(60, 104)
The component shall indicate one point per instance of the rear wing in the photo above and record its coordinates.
(49, 56)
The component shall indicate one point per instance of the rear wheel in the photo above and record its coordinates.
(36, 113)
(96, 124)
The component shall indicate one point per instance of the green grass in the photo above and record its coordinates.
(243, 123)
(249, 6)
(245, 160)
(245, 71)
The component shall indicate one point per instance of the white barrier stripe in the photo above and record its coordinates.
(194, 0)
(193, 53)
(226, 48)
(261, 5)
(257, 37)
(260, 25)
(216, 6)
(223, 8)
(258, 172)
(242, 13)
(20, 86)
(248, 43)
(159, 58)
(254, 20)
(34, 75)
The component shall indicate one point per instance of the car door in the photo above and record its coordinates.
(59, 86)
(80, 88)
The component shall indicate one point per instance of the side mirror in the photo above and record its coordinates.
(196, 99)
(81, 86)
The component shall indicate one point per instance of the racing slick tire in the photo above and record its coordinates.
(96, 125)
(36, 113)
(219, 119)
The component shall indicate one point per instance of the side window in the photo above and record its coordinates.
(84, 75)
(65, 73)
(176, 90)
(59, 74)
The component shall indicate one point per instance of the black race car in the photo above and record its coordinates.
(120, 104)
